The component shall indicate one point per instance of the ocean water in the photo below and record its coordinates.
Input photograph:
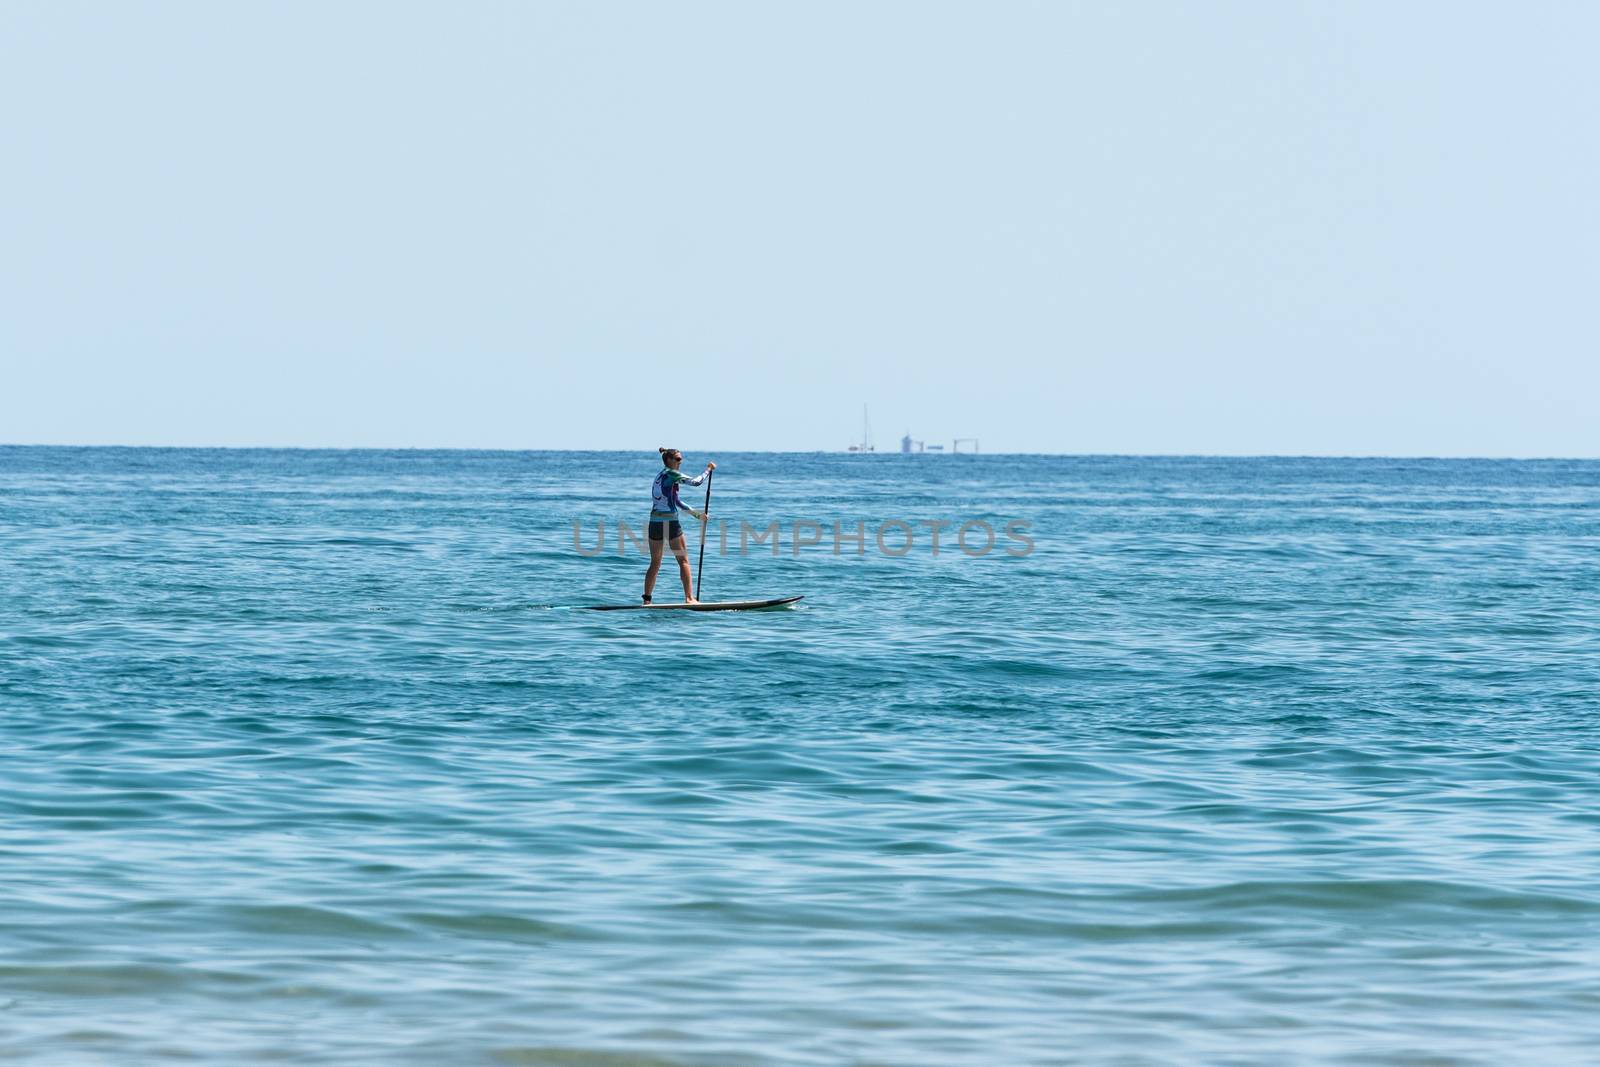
(314, 757)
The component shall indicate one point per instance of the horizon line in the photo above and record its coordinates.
(823, 452)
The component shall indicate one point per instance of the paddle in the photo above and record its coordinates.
(700, 570)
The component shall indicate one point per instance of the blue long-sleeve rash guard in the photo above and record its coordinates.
(664, 502)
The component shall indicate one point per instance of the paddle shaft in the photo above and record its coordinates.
(700, 570)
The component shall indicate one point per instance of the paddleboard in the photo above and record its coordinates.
(715, 605)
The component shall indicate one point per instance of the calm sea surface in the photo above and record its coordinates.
(311, 757)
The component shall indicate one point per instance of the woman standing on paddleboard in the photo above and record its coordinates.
(664, 525)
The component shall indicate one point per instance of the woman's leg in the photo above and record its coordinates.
(680, 548)
(657, 546)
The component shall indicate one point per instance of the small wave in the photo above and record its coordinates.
(499, 926)
(1371, 895)
(114, 979)
(305, 920)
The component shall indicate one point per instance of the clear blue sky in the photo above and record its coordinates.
(1250, 227)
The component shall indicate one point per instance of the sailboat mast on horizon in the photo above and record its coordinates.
(866, 434)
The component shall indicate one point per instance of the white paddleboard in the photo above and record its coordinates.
(714, 605)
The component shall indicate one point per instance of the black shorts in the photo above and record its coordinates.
(658, 529)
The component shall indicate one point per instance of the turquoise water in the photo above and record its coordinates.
(310, 757)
